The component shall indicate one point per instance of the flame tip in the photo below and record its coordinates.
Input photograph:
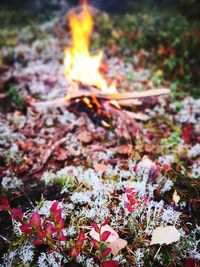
(79, 64)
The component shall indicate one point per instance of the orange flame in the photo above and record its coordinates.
(79, 64)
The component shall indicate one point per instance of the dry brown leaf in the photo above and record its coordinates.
(125, 149)
(85, 137)
(165, 235)
(61, 154)
(100, 167)
(117, 245)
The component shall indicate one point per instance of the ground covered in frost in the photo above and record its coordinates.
(75, 193)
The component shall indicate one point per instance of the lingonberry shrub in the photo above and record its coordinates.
(49, 230)
(102, 251)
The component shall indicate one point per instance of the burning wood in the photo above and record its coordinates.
(88, 87)
(106, 97)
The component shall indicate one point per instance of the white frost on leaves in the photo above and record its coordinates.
(155, 214)
(26, 252)
(166, 159)
(194, 151)
(8, 259)
(80, 197)
(11, 183)
(89, 262)
(80, 258)
(48, 177)
(167, 186)
(53, 259)
(195, 173)
(16, 227)
(190, 111)
(71, 231)
(170, 215)
(139, 257)
(14, 149)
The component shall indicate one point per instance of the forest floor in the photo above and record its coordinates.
(127, 190)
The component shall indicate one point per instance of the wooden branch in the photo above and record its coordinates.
(129, 102)
(106, 97)
(138, 116)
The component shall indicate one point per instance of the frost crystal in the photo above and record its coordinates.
(89, 263)
(10, 183)
(195, 171)
(166, 159)
(26, 252)
(49, 260)
(194, 151)
(71, 231)
(139, 257)
(167, 186)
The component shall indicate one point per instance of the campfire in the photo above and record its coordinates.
(89, 91)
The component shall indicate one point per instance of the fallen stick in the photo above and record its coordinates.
(107, 97)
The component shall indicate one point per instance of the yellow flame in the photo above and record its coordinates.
(79, 64)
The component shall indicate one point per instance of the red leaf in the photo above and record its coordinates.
(41, 234)
(74, 252)
(96, 244)
(54, 207)
(81, 237)
(37, 242)
(4, 204)
(35, 221)
(96, 227)
(16, 214)
(57, 216)
(105, 236)
(110, 263)
(25, 228)
(60, 224)
(105, 252)
(60, 236)
(189, 263)
(106, 221)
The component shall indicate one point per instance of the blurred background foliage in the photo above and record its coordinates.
(168, 29)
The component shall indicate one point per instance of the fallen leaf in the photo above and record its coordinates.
(61, 154)
(176, 197)
(125, 149)
(117, 245)
(165, 235)
(85, 136)
(100, 167)
(112, 238)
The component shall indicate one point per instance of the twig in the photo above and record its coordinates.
(5, 239)
(100, 95)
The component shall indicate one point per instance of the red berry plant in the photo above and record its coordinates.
(133, 202)
(102, 251)
(50, 231)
